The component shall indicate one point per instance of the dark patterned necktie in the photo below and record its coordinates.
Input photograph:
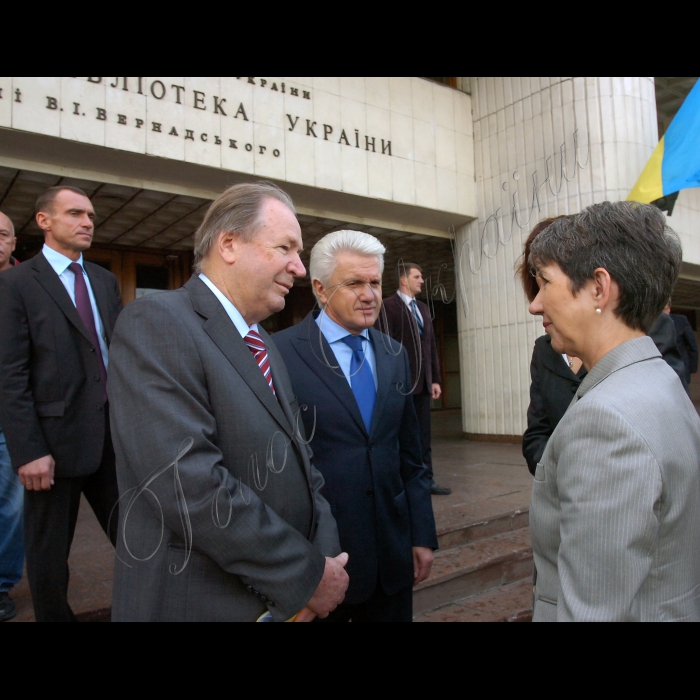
(82, 303)
(257, 347)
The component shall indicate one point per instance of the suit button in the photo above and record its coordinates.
(574, 387)
(100, 408)
(97, 377)
(92, 349)
(370, 492)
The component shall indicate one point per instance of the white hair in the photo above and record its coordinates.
(324, 255)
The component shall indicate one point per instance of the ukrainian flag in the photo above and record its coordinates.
(675, 163)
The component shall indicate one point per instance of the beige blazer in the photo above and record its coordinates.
(615, 513)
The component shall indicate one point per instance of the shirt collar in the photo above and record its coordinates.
(334, 332)
(59, 261)
(406, 299)
(233, 313)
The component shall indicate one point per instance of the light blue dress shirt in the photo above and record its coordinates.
(60, 263)
(334, 334)
(233, 313)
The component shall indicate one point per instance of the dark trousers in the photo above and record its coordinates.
(49, 525)
(380, 607)
(422, 403)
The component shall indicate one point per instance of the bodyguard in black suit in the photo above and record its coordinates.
(357, 406)
(663, 333)
(686, 343)
(53, 403)
(408, 321)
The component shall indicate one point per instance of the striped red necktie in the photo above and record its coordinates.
(257, 347)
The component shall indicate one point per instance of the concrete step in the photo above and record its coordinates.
(509, 603)
(458, 525)
(474, 568)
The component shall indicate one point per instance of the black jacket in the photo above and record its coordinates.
(553, 386)
(686, 343)
(51, 396)
(663, 333)
(376, 484)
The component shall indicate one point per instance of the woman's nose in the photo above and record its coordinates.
(535, 307)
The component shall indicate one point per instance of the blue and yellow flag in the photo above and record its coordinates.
(675, 163)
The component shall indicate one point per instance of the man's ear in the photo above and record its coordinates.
(14, 244)
(320, 291)
(228, 245)
(42, 220)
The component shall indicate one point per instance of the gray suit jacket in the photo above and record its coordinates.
(615, 516)
(221, 516)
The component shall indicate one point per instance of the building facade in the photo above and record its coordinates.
(451, 176)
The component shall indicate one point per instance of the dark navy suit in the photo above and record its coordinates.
(378, 489)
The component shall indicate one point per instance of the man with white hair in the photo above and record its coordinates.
(353, 385)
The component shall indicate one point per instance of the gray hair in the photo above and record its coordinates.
(236, 210)
(325, 253)
(628, 239)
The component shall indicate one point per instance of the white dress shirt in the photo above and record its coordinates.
(407, 300)
(334, 334)
(233, 313)
(60, 263)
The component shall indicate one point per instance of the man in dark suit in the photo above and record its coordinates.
(223, 519)
(663, 333)
(353, 385)
(11, 491)
(408, 321)
(57, 313)
(686, 343)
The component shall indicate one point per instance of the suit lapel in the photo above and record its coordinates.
(315, 351)
(100, 292)
(219, 327)
(50, 281)
(383, 361)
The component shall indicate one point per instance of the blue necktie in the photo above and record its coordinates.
(416, 315)
(361, 379)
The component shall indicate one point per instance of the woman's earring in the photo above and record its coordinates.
(597, 310)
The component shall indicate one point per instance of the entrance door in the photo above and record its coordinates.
(140, 273)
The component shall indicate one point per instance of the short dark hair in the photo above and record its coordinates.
(406, 267)
(46, 199)
(628, 239)
(523, 269)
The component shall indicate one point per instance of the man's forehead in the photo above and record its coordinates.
(5, 223)
(72, 200)
(357, 265)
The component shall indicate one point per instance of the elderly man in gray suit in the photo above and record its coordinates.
(221, 516)
(615, 516)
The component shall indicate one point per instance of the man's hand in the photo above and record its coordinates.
(422, 562)
(436, 391)
(37, 475)
(331, 590)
